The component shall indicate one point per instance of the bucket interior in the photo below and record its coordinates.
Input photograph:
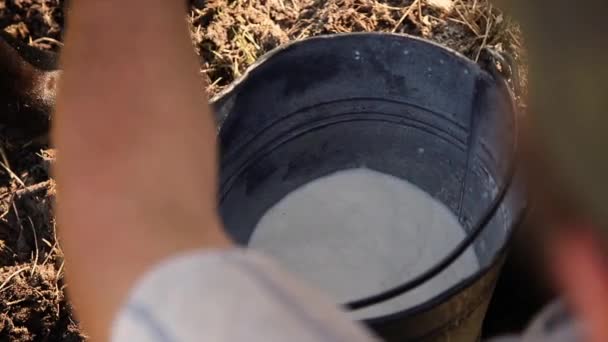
(392, 104)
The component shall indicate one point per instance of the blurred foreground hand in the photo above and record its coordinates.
(566, 140)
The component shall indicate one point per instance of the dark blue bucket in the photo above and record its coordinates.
(326, 104)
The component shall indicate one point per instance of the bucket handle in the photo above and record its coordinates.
(471, 237)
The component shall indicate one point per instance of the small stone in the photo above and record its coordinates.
(443, 5)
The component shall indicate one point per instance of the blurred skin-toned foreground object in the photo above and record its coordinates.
(569, 95)
(137, 158)
(566, 145)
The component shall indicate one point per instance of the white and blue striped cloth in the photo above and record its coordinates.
(237, 295)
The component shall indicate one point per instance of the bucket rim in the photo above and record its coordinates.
(221, 100)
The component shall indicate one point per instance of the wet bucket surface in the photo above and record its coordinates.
(343, 102)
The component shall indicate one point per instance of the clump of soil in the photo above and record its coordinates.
(38, 22)
(229, 35)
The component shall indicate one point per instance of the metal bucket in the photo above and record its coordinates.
(337, 102)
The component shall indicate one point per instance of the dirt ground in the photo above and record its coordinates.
(229, 35)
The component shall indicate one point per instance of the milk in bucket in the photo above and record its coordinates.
(358, 232)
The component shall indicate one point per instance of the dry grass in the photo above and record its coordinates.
(229, 35)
